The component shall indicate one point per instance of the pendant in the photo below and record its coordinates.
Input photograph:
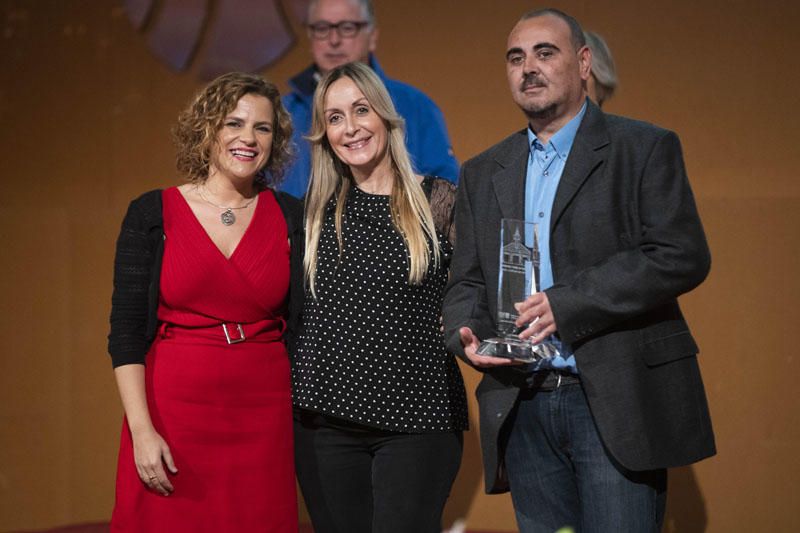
(227, 217)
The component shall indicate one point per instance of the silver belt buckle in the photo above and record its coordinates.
(228, 338)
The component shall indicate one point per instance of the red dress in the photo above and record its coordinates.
(223, 409)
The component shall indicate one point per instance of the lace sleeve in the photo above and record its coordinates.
(442, 198)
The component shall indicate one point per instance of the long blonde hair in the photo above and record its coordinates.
(411, 214)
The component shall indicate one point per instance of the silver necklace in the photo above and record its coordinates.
(226, 217)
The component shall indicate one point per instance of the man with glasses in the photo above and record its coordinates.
(343, 31)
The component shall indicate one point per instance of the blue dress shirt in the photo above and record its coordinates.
(545, 165)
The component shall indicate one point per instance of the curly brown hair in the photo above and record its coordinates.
(196, 131)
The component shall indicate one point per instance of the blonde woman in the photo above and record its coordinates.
(379, 404)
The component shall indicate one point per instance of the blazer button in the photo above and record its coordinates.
(499, 415)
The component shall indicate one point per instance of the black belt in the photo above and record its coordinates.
(550, 380)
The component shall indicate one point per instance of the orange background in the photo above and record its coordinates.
(86, 109)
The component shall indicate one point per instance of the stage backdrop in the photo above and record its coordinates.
(86, 108)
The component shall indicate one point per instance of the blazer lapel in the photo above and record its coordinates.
(586, 154)
(509, 182)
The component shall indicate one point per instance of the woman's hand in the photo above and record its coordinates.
(151, 453)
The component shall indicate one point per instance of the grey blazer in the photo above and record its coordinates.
(626, 241)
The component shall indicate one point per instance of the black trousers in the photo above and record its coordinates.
(356, 479)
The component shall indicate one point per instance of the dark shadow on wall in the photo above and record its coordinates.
(686, 507)
(469, 480)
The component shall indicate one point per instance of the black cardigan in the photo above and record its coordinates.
(137, 269)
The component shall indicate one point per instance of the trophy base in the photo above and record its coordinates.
(516, 349)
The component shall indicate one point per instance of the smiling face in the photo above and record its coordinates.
(545, 72)
(335, 50)
(244, 142)
(356, 133)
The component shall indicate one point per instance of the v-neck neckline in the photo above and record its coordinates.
(208, 237)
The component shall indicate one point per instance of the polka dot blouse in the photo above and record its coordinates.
(371, 350)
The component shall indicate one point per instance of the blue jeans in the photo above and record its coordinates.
(561, 474)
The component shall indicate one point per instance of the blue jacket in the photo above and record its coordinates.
(426, 133)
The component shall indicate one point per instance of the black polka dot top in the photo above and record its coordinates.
(370, 349)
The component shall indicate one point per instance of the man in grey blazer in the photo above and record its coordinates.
(586, 439)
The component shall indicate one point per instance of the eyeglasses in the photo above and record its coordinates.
(345, 28)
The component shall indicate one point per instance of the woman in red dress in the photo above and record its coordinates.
(199, 325)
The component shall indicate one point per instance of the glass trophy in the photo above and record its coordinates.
(518, 279)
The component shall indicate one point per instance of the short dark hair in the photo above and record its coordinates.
(575, 30)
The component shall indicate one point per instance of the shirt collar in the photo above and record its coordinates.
(562, 141)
